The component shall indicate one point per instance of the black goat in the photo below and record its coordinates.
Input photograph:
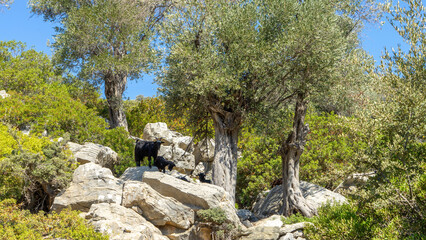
(161, 163)
(146, 149)
(203, 179)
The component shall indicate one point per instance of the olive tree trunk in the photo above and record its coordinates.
(115, 84)
(291, 150)
(224, 171)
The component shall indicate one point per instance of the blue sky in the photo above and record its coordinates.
(17, 23)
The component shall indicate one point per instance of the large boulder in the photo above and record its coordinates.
(136, 173)
(156, 208)
(90, 184)
(154, 131)
(176, 147)
(194, 195)
(315, 195)
(95, 153)
(185, 161)
(204, 150)
(122, 223)
(273, 228)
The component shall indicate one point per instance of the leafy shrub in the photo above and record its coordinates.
(34, 176)
(331, 151)
(53, 110)
(353, 221)
(219, 223)
(213, 215)
(258, 167)
(118, 140)
(150, 110)
(21, 224)
(23, 70)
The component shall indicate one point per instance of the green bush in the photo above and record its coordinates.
(258, 167)
(219, 223)
(360, 221)
(213, 215)
(23, 70)
(118, 140)
(21, 224)
(34, 176)
(150, 110)
(331, 151)
(53, 110)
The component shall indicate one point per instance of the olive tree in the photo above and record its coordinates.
(106, 41)
(211, 68)
(313, 47)
(226, 60)
(394, 122)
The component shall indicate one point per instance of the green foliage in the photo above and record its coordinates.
(118, 140)
(211, 63)
(295, 218)
(330, 155)
(393, 124)
(217, 220)
(101, 37)
(352, 221)
(52, 110)
(145, 110)
(21, 224)
(23, 70)
(213, 215)
(258, 167)
(331, 151)
(7, 142)
(35, 177)
(39, 99)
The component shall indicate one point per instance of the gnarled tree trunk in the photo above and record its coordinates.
(224, 171)
(115, 84)
(290, 152)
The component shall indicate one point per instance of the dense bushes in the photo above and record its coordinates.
(351, 221)
(257, 168)
(330, 154)
(21, 224)
(332, 150)
(145, 110)
(118, 140)
(34, 171)
(52, 110)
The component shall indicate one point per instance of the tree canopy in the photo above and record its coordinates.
(106, 41)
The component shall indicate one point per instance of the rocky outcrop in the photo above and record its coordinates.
(185, 161)
(315, 195)
(136, 173)
(95, 153)
(122, 223)
(161, 204)
(272, 228)
(91, 184)
(180, 149)
(158, 209)
(159, 130)
(194, 195)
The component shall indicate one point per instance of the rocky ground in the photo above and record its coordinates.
(147, 204)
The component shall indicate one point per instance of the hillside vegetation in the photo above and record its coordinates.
(366, 119)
